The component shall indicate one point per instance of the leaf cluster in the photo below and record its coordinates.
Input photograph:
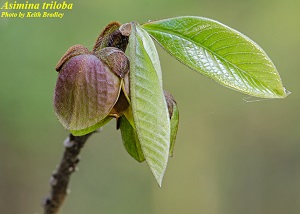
(121, 78)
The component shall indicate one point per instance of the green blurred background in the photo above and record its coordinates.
(231, 156)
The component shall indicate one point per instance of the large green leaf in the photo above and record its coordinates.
(149, 108)
(220, 53)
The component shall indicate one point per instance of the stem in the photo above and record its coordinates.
(61, 176)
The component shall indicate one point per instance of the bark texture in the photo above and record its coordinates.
(60, 178)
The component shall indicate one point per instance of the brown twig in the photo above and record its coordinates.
(61, 176)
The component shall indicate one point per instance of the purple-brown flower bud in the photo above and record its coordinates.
(85, 93)
(93, 86)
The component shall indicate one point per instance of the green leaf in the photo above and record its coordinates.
(130, 140)
(174, 119)
(149, 107)
(220, 53)
(92, 128)
(174, 128)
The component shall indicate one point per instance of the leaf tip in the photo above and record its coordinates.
(283, 93)
(159, 179)
(157, 171)
(286, 93)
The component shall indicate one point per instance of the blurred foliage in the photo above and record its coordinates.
(231, 156)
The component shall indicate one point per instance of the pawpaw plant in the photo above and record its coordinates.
(96, 86)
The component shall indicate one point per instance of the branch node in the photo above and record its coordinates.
(53, 181)
(69, 143)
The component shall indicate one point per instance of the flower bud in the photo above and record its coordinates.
(86, 91)
(115, 59)
(111, 36)
(92, 87)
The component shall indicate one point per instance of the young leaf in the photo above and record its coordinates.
(174, 128)
(220, 53)
(149, 107)
(174, 119)
(130, 140)
(91, 128)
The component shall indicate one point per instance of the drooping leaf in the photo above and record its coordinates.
(220, 53)
(149, 108)
(130, 140)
